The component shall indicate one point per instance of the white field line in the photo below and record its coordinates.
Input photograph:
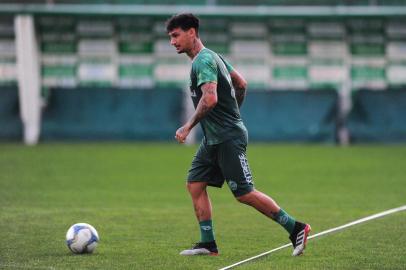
(342, 227)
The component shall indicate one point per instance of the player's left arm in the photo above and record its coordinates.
(206, 103)
(238, 81)
(240, 86)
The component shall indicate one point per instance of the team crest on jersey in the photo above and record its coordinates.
(245, 168)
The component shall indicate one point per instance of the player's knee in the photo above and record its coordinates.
(246, 198)
(189, 187)
(195, 188)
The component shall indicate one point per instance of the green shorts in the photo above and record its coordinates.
(226, 161)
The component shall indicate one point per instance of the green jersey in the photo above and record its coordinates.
(223, 122)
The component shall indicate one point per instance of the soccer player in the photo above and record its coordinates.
(217, 91)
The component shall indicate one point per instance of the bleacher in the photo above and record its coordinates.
(98, 49)
(272, 53)
(7, 51)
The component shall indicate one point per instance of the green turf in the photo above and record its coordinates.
(135, 196)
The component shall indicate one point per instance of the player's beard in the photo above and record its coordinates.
(180, 50)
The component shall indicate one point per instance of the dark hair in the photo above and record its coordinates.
(184, 21)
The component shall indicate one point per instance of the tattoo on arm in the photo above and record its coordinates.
(206, 103)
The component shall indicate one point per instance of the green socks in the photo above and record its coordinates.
(206, 231)
(285, 220)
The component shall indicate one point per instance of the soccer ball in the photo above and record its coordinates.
(82, 238)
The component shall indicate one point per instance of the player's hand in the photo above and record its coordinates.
(181, 134)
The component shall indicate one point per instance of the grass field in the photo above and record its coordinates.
(135, 196)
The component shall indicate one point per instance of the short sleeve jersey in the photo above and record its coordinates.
(223, 122)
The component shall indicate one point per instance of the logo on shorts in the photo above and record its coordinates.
(232, 185)
(245, 168)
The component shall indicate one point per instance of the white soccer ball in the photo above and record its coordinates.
(82, 238)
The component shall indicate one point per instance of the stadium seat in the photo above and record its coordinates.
(327, 52)
(278, 53)
(8, 71)
(136, 71)
(216, 35)
(396, 52)
(367, 47)
(288, 58)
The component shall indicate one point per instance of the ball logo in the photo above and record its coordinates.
(232, 185)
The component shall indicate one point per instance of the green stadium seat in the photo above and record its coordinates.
(57, 34)
(366, 38)
(367, 46)
(215, 35)
(6, 27)
(289, 73)
(62, 47)
(277, 53)
(8, 69)
(128, 47)
(367, 72)
(288, 38)
(136, 71)
(59, 75)
(219, 47)
(395, 30)
(134, 35)
(159, 29)
(289, 44)
(369, 75)
(45, 23)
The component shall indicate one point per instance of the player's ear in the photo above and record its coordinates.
(192, 32)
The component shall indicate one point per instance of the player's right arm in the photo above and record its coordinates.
(206, 103)
(240, 86)
(206, 74)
